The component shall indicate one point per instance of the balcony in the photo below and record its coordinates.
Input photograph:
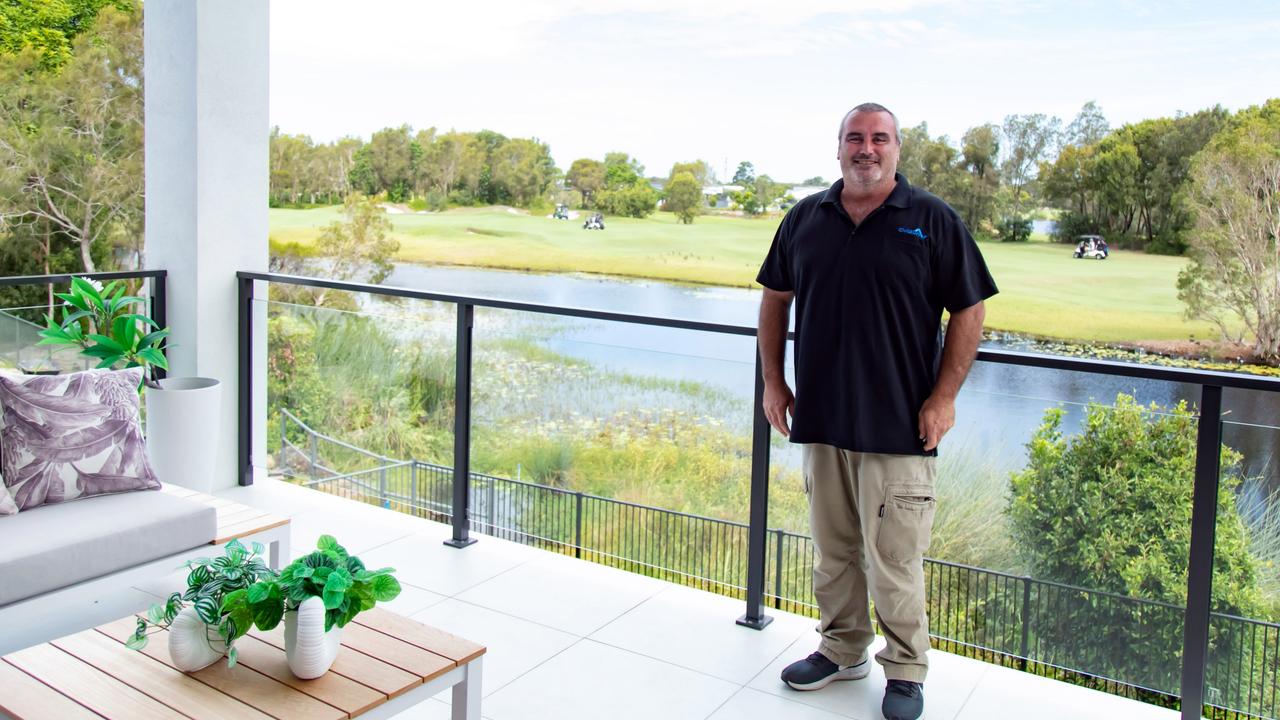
(573, 640)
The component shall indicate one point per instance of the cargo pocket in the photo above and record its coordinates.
(906, 522)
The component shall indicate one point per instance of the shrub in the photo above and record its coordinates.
(635, 201)
(1110, 510)
(1015, 229)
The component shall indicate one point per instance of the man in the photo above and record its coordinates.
(871, 264)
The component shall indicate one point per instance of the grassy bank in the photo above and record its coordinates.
(1044, 292)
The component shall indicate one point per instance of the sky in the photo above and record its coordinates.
(755, 80)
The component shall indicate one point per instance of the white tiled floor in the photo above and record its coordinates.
(571, 640)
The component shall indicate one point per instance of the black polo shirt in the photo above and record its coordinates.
(869, 303)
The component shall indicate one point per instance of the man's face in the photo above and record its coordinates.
(868, 150)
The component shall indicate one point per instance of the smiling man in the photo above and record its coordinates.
(871, 264)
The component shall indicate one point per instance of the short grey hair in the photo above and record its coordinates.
(871, 108)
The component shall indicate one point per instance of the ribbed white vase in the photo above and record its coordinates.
(308, 647)
(193, 644)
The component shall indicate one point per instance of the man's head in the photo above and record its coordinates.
(869, 143)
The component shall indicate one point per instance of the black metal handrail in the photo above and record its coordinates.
(1195, 644)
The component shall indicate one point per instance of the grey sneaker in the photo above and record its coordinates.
(903, 700)
(816, 672)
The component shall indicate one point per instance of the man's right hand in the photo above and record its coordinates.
(778, 404)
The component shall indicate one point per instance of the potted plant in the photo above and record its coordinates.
(205, 620)
(107, 325)
(322, 592)
(104, 324)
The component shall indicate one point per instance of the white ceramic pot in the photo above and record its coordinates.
(192, 643)
(182, 417)
(308, 647)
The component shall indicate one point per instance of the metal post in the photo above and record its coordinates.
(315, 452)
(382, 484)
(577, 533)
(756, 533)
(413, 486)
(284, 439)
(245, 381)
(1026, 619)
(777, 573)
(160, 311)
(1204, 521)
(462, 429)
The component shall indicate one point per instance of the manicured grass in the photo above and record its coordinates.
(1043, 291)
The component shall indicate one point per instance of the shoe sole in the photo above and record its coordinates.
(855, 672)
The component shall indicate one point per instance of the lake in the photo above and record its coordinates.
(997, 411)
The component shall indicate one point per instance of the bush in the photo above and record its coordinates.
(1072, 225)
(635, 201)
(1015, 229)
(1110, 511)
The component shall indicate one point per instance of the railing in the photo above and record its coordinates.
(1012, 619)
(1194, 640)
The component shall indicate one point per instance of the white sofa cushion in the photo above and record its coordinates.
(53, 546)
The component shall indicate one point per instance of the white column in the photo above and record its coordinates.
(207, 133)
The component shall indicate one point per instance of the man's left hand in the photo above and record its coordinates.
(936, 417)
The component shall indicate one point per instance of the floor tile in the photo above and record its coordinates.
(751, 704)
(951, 681)
(697, 630)
(412, 599)
(1004, 688)
(513, 646)
(424, 561)
(591, 680)
(576, 599)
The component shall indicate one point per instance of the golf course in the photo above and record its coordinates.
(1130, 297)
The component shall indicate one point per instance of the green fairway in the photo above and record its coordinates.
(1043, 291)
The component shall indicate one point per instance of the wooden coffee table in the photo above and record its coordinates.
(387, 663)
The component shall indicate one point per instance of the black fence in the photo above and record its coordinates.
(1124, 645)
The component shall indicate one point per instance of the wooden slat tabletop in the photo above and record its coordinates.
(234, 520)
(92, 674)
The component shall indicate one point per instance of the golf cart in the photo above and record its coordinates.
(1091, 247)
(562, 212)
(594, 222)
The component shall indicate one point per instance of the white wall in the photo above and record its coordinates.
(207, 133)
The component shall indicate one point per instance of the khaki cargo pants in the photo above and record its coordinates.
(871, 516)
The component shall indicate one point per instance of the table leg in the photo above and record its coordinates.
(466, 694)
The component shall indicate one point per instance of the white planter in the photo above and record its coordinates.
(183, 415)
(193, 644)
(309, 649)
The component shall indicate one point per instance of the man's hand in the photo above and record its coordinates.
(778, 403)
(936, 417)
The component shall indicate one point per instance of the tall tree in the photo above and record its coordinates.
(621, 171)
(980, 152)
(524, 170)
(699, 169)
(684, 196)
(71, 141)
(587, 177)
(1234, 275)
(50, 28)
(1088, 127)
(745, 174)
(1026, 141)
(358, 247)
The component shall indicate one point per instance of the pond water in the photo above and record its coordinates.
(997, 412)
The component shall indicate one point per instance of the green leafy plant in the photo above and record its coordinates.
(103, 323)
(339, 579)
(232, 593)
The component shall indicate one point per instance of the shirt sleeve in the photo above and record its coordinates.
(961, 278)
(775, 273)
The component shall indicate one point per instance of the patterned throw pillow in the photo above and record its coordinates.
(7, 505)
(71, 436)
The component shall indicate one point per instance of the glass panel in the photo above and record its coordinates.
(625, 444)
(360, 396)
(1048, 572)
(1244, 640)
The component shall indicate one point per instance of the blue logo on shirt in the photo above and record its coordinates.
(917, 232)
